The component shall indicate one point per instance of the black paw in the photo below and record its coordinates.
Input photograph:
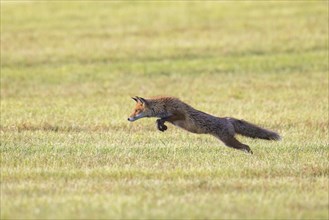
(160, 125)
(163, 128)
(247, 149)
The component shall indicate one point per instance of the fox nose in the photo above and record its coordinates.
(128, 119)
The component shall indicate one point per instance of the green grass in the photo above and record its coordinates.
(68, 70)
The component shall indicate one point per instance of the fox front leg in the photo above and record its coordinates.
(160, 125)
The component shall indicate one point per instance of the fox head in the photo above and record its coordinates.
(141, 110)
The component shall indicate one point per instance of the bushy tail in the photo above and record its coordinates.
(250, 130)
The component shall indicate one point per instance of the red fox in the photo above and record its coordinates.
(180, 114)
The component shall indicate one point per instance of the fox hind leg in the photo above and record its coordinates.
(231, 141)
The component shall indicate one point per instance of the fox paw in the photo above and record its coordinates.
(248, 150)
(161, 126)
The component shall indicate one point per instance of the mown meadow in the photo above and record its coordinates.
(69, 68)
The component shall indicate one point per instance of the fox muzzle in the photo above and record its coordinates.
(131, 119)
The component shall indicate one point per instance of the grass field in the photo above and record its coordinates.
(68, 70)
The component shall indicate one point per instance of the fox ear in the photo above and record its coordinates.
(142, 100)
(135, 98)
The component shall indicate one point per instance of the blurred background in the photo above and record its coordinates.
(98, 54)
(79, 53)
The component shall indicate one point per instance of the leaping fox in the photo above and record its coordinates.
(180, 114)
